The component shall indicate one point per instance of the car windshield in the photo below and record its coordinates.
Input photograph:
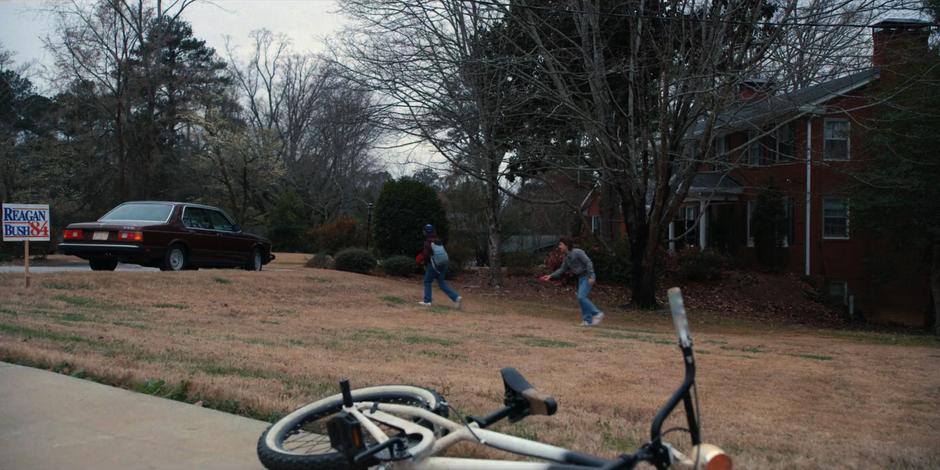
(149, 212)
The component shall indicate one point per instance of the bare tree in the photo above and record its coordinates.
(95, 43)
(640, 77)
(237, 170)
(824, 42)
(439, 85)
(319, 126)
(651, 83)
(139, 66)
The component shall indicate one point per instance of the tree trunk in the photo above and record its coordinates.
(494, 232)
(123, 186)
(935, 285)
(643, 278)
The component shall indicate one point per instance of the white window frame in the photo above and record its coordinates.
(848, 140)
(845, 290)
(721, 149)
(750, 211)
(777, 140)
(595, 223)
(690, 223)
(754, 146)
(848, 231)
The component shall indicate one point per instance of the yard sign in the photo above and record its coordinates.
(25, 222)
(22, 222)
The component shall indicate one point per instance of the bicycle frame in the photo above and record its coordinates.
(424, 444)
(423, 454)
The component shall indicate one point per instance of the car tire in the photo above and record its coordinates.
(255, 260)
(175, 258)
(103, 264)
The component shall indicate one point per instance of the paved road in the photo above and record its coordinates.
(58, 268)
(50, 421)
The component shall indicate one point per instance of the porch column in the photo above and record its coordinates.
(672, 236)
(807, 236)
(702, 225)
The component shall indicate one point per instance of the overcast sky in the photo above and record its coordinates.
(306, 22)
(23, 24)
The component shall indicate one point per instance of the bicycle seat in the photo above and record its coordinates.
(523, 396)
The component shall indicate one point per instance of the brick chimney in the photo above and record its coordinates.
(755, 89)
(898, 42)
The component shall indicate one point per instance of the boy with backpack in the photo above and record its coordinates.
(435, 261)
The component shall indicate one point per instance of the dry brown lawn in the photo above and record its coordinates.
(263, 343)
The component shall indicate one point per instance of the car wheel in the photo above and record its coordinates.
(175, 259)
(255, 260)
(103, 264)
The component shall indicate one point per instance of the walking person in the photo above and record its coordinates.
(577, 262)
(435, 261)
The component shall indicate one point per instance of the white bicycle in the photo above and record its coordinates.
(406, 427)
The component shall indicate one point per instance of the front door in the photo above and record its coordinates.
(232, 246)
(203, 238)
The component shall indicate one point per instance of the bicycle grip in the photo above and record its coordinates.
(679, 318)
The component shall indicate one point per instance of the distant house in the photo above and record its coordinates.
(803, 142)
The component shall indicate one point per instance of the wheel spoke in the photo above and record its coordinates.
(308, 443)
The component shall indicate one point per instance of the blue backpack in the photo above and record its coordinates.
(439, 257)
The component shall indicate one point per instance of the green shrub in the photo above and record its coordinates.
(519, 263)
(519, 259)
(695, 265)
(399, 266)
(334, 236)
(460, 254)
(403, 208)
(287, 223)
(612, 267)
(553, 260)
(355, 260)
(768, 227)
(5, 257)
(320, 260)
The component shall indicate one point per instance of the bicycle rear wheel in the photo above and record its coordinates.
(299, 441)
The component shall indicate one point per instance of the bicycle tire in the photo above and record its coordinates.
(313, 417)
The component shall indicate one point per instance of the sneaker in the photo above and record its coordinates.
(598, 317)
(585, 323)
(458, 303)
(426, 304)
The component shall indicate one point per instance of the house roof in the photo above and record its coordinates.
(753, 115)
(902, 23)
(714, 180)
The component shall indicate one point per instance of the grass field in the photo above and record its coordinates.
(260, 344)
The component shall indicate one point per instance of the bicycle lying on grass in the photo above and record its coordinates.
(406, 427)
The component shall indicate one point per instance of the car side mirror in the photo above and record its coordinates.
(236, 228)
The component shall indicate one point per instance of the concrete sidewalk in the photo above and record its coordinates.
(51, 421)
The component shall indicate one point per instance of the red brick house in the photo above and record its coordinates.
(804, 142)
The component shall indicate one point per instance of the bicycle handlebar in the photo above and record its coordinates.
(656, 452)
(679, 319)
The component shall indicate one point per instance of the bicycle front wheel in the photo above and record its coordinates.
(300, 441)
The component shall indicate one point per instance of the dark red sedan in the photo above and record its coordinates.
(172, 236)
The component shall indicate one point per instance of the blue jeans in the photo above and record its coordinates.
(588, 309)
(429, 275)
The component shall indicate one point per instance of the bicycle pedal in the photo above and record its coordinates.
(346, 436)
